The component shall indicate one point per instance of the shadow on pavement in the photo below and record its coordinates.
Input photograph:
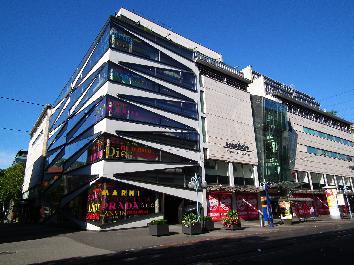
(21, 232)
(309, 249)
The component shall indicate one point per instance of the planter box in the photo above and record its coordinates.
(159, 230)
(287, 221)
(208, 225)
(234, 227)
(192, 230)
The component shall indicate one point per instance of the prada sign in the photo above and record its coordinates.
(237, 146)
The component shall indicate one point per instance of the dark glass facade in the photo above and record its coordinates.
(272, 139)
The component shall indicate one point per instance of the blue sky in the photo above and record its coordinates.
(308, 44)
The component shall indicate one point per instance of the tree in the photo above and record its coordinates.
(11, 180)
(333, 112)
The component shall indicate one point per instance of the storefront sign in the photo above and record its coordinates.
(118, 148)
(331, 194)
(237, 146)
(219, 203)
(247, 205)
(302, 208)
(112, 201)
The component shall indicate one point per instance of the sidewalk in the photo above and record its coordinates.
(43, 243)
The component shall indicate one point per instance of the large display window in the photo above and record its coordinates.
(111, 202)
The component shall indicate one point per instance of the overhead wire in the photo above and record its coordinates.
(337, 95)
(14, 130)
(22, 101)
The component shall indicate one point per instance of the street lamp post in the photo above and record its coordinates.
(196, 183)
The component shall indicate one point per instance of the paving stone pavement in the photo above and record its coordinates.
(29, 244)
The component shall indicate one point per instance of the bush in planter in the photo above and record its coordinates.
(158, 227)
(232, 221)
(190, 224)
(208, 223)
(158, 222)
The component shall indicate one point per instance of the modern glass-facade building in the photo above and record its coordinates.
(147, 110)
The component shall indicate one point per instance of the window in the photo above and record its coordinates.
(122, 40)
(185, 140)
(180, 78)
(204, 130)
(327, 136)
(90, 86)
(187, 109)
(92, 117)
(124, 76)
(202, 102)
(319, 152)
(119, 109)
(100, 48)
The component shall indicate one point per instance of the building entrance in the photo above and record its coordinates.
(172, 209)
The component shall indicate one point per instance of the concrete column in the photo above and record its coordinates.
(344, 185)
(255, 176)
(310, 180)
(205, 202)
(325, 179)
(157, 203)
(231, 174)
(296, 177)
(351, 183)
(233, 200)
(243, 174)
(335, 181)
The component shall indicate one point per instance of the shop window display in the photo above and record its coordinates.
(112, 202)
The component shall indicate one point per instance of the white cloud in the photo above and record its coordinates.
(6, 158)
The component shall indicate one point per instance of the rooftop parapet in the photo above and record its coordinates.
(220, 66)
(166, 33)
(274, 87)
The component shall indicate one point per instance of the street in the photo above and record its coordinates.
(303, 243)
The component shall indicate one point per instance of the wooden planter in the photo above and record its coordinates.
(192, 230)
(159, 230)
(208, 225)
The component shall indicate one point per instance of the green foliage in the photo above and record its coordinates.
(333, 112)
(11, 180)
(189, 219)
(206, 218)
(158, 222)
(231, 219)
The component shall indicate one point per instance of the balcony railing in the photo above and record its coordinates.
(201, 57)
